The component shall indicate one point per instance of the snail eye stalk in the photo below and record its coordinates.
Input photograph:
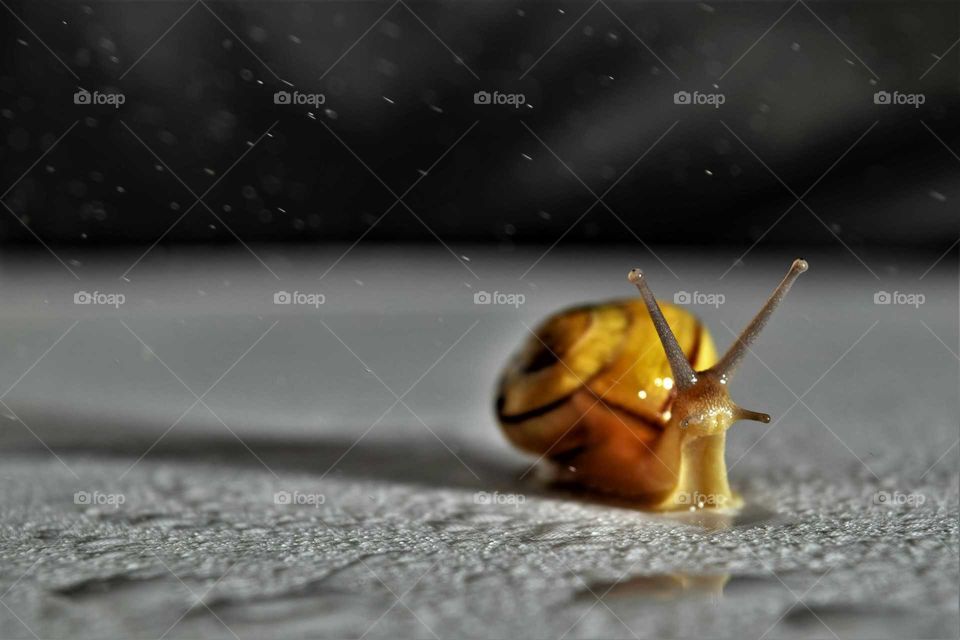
(731, 360)
(686, 378)
(684, 375)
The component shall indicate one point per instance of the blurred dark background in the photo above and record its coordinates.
(598, 80)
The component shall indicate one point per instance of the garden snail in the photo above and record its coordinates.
(594, 392)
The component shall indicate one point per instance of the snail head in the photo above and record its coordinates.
(703, 406)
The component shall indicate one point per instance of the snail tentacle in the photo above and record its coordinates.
(731, 359)
(685, 376)
(739, 413)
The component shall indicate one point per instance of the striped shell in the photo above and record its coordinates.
(592, 373)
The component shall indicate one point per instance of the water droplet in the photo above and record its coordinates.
(258, 34)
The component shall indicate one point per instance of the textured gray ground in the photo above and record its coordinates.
(401, 545)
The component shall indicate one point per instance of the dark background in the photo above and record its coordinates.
(398, 100)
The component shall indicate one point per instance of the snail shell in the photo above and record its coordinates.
(591, 371)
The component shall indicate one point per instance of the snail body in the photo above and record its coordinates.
(629, 398)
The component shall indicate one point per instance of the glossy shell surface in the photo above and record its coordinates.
(595, 369)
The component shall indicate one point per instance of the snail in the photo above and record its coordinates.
(628, 398)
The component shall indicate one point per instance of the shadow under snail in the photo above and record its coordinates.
(595, 393)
